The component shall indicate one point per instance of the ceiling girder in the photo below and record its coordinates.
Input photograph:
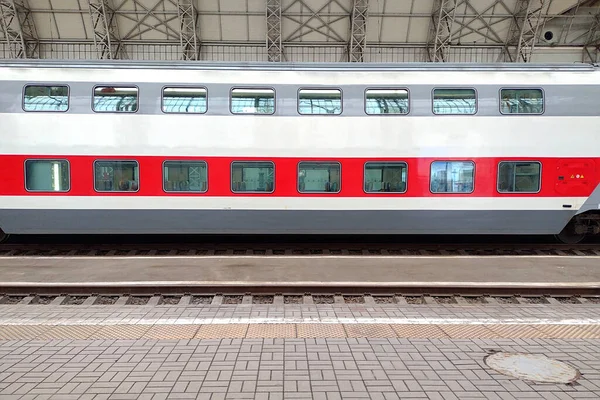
(104, 23)
(273, 19)
(19, 29)
(440, 29)
(358, 30)
(188, 35)
(523, 31)
(591, 48)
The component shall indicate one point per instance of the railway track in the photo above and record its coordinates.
(125, 298)
(304, 249)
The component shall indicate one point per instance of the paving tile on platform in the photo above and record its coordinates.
(593, 329)
(418, 331)
(121, 332)
(15, 332)
(567, 332)
(171, 332)
(224, 331)
(369, 330)
(469, 332)
(70, 332)
(320, 331)
(271, 331)
(516, 331)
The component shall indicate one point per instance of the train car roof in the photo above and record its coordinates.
(291, 66)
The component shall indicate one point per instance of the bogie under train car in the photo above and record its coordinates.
(164, 148)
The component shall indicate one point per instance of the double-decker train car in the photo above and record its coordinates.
(165, 148)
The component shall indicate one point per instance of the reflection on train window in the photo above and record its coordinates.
(523, 177)
(252, 176)
(46, 98)
(318, 177)
(320, 101)
(385, 177)
(115, 99)
(117, 176)
(253, 101)
(454, 101)
(184, 100)
(47, 175)
(386, 101)
(521, 101)
(452, 176)
(184, 176)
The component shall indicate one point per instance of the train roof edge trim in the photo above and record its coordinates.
(286, 66)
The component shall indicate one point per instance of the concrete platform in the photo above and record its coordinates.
(375, 271)
(270, 352)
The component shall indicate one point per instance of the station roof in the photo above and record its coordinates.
(303, 30)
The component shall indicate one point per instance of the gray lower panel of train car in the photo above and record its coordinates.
(278, 222)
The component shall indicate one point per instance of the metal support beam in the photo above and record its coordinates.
(440, 30)
(19, 29)
(358, 30)
(106, 31)
(591, 48)
(274, 46)
(523, 31)
(188, 38)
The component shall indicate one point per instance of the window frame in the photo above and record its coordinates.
(451, 161)
(318, 162)
(251, 88)
(45, 159)
(46, 85)
(455, 88)
(118, 86)
(320, 88)
(383, 162)
(516, 162)
(188, 191)
(113, 160)
(250, 191)
(522, 88)
(408, 97)
(162, 99)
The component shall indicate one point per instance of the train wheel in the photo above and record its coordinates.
(570, 234)
(3, 236)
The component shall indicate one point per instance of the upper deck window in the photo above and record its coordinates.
(320, 101)
(184, 100)
(386, 101)
(115, 99)
(454, 101)
(252, 101)
(46, 98)
(521, 101)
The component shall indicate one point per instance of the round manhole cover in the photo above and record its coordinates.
(532, 367)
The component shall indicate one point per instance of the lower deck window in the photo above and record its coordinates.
(252, 176)
(185, 176)
(47, 175)
(452, 176)
(116, 176)
(385, 177)
(522, 177)
(318, 177)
